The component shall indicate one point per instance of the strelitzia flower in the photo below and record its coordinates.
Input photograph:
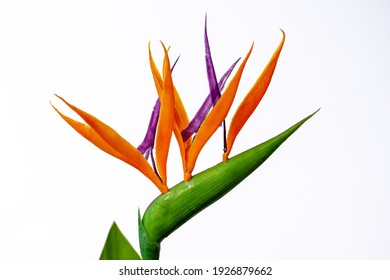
(207, 120)
(180, 203)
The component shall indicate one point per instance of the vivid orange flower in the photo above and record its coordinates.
(108, 140)
(169, 116)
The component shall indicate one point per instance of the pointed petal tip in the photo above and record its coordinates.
(165, 49)
(61, 98)
(58, 96)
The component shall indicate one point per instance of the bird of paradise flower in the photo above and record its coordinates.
(173, 207)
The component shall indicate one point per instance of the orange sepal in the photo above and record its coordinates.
(180, 115)
(166, 119)
(88, 133)
(158, 81)
(252, 99)
(181, 122)
(108, 140)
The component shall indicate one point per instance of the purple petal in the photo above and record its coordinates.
(153, 162)
(195, 123)
(147, 144)
(148, 141)
(214, 89)
(222, 81)
(174, 64)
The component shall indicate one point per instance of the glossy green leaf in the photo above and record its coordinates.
(117, 247)
(171, 210)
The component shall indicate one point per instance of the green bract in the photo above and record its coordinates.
(183, 201)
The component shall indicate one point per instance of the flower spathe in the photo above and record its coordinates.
(169, 116)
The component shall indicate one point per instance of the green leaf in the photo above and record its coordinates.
(117, 247)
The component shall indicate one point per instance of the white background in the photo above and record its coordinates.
(324, 194)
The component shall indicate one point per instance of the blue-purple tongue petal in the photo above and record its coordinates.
(195, 123)
(174, 64)
(213, 85)
(147, 144)
(148, 141)
(215, 91)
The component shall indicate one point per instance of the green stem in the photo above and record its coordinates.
(150, 250)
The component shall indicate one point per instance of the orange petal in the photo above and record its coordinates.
(214, 119)
(252, 99)
(181, 144)
(88, 133)
(181, 122)
(108, 140)
(180, 115)
(166, 119)
(158, 81)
